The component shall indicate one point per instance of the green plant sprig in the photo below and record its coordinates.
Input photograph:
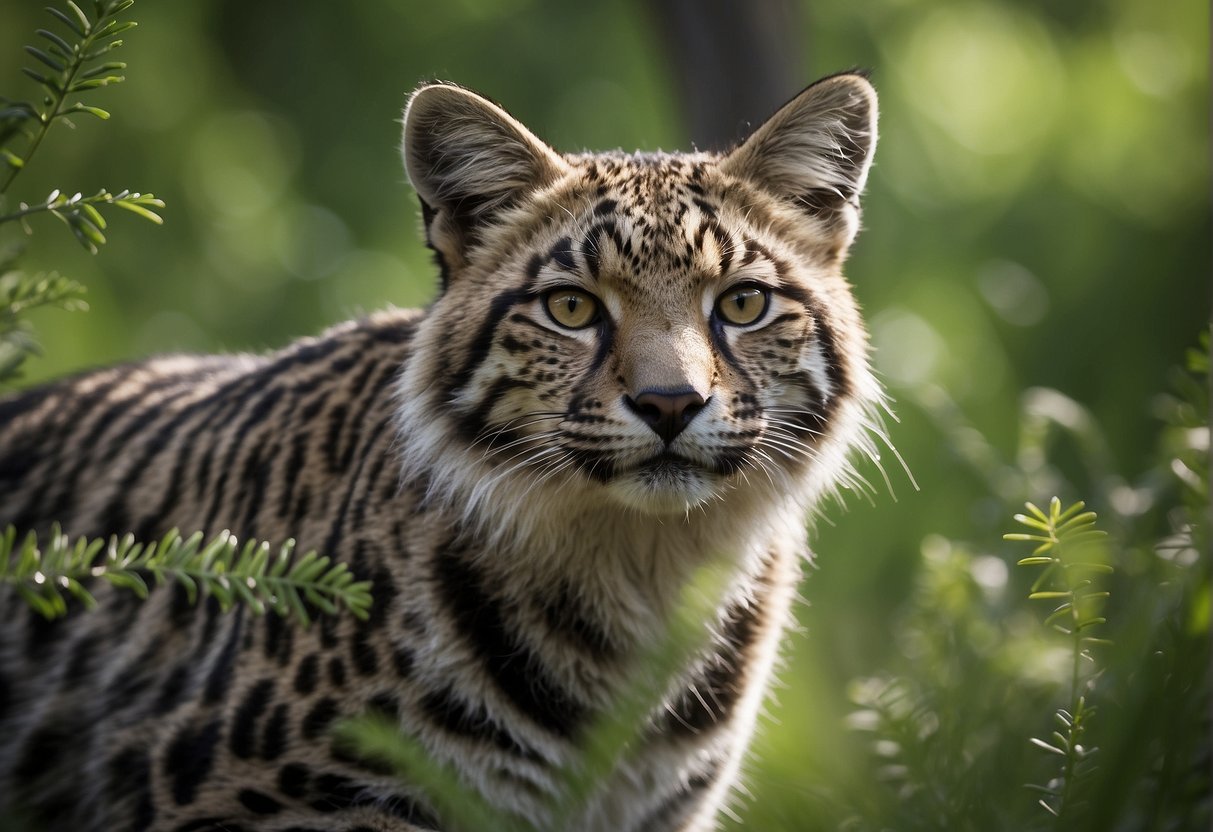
(250, 574)
(69, 75)
(19, 293)
(1067, 546)
(71, 61)
(79, 213)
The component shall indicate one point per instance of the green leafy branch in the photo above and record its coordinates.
(251, 574)
(71, 59)
(68, 60)
(1069, 547)
(19, 293)
(80, 214)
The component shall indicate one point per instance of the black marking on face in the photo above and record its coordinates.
(474, 425)
(725, 246)
(562, 255)
(595, 464)
(479, 349)
(835, 372)
(591, 244)
(513, 346)
(721, 342)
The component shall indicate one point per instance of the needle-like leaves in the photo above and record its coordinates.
(64, 69)
(19, 293)
(1068, 546)
(48, 575)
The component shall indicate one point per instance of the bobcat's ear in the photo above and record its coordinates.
(468, 159)
(816, 150)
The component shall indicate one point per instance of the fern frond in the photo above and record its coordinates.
(251, 574)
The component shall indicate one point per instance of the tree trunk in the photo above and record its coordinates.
(735, 62)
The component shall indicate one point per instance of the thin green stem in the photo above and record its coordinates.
(1063, 541)
(123, 199)
(45, 120)
(24, 212)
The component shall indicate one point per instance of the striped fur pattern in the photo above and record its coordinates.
(525, 507)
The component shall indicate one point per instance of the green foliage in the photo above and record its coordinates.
(79, 213)
(1071, 550)
(74, 66)
(252, 574)
(942, 726)
(72, 61)
(947, 724)
(73, 57)
(20, 293)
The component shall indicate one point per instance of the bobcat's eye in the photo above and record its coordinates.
(572, 308)
(742, 305)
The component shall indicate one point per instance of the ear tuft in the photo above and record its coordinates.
(817, 149)
(467, 157)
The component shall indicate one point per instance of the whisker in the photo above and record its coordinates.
(543, 435)
(493, 431)
(530, 460)
(876, 429)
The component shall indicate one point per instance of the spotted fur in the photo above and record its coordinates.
(525, 517)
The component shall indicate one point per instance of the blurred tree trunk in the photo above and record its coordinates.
(735, 62)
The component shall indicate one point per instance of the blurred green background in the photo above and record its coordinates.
(1038, 216)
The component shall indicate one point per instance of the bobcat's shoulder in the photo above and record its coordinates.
(638, 364)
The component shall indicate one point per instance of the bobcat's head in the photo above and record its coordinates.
(648, 330)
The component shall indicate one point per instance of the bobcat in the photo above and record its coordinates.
(637, 364)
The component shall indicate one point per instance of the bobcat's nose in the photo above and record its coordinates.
(667, 412)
